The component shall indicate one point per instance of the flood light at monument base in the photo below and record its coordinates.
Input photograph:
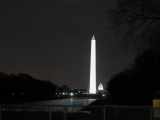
(92, 85)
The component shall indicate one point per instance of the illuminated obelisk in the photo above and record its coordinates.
(92, 85)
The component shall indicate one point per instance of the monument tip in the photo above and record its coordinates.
(93, 38)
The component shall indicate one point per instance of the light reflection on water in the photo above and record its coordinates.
(65, 105)
(68, 104)
(68, 101)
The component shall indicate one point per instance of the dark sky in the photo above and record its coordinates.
(50, 40)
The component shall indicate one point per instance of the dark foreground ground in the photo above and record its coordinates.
(96, 114)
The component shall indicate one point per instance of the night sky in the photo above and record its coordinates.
(50, 40)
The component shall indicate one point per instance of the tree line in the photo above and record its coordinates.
(22, 88)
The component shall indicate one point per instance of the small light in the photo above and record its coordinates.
(103, 95)
(71, 94)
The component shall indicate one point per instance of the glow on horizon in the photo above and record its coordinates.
(92, 87)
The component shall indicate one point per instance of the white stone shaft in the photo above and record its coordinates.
(92, 86)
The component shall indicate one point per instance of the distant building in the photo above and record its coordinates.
(63, 92)
(100, 87)
(101, 90)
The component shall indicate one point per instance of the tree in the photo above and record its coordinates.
(138, 85)
(142, 18)
(23, 87)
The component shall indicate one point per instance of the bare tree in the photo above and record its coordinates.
(142, 18)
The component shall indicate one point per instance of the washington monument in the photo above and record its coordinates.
(92, 84)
